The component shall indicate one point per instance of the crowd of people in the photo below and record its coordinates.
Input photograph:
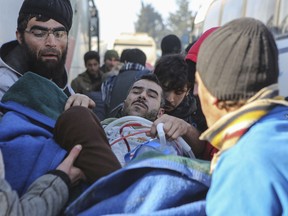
(65, 152)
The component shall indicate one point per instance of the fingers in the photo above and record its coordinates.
(76, 175)
(92, 104)
(70, 159)
(173, 127)
(69, 103)
(79, 100)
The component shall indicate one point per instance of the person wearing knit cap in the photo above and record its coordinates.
(111, 59)
(237, 74)
(170, 44)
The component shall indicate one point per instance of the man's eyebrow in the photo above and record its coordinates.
(149, 90)
(152, 90)
(60, 28)
(137, 87)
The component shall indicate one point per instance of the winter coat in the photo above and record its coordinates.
(250, 175)
(85, 83)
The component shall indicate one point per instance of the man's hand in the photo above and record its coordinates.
(74, 173)
(173, 127)
(79, 100)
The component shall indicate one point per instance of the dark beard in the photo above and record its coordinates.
(151, 116)
(54, 70)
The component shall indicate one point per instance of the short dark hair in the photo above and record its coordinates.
(91, 55)
(123, 54)
(153, 78)
(172, 70)
(135, 56)
(170, 44)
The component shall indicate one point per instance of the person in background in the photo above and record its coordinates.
(47, 195)
(180, 105)
(91, 79)
(134, 67)
(170, 44)
(111, 59)
(191, 59)
(41, 46)
(237, 75)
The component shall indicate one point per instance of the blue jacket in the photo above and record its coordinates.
(31, 107)
(251, 171)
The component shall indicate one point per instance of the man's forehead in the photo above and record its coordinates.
(147, 84)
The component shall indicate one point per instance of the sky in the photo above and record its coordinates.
(117, 16)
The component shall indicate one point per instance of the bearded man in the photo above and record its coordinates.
(41, 45)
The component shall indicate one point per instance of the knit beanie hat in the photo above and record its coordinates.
(193, 51)
(238, 59)
(170, 44)
(109, 54)
(59, 10)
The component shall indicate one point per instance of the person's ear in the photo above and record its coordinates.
(217, 103)
(19, 37)
(160, 112)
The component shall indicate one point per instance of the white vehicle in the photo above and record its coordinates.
(274, 13)
(141, 41)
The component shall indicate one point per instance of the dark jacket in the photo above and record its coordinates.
(190, 111)
(85, 83)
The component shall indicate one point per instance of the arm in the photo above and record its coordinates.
(47, 195)
(175, 127)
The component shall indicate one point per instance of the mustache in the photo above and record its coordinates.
(141, 101)
(50, 51)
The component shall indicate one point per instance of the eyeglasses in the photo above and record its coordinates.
(59, 34)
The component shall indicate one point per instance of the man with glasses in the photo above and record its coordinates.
(41, 45)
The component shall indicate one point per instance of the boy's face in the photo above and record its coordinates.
(92, 66)
(174, 97)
